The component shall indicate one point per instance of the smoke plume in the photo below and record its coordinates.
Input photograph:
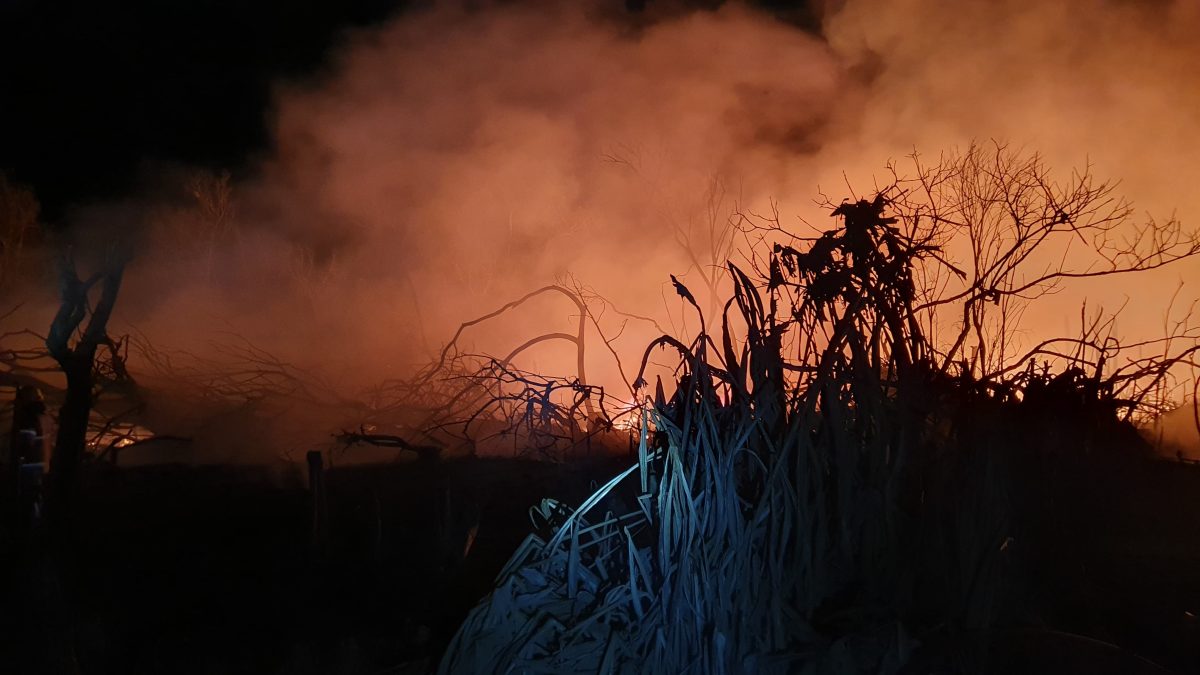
(453, 159)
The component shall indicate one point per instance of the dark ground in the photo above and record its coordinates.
(211, 570)
(1108, 551)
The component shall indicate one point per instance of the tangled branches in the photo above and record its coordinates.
(483, 402)
(829, 476)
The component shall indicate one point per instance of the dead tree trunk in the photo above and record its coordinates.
(77, 361)
(320, 503)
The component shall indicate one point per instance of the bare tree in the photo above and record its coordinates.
(990, 232)
(74, 346)
(1016, 236)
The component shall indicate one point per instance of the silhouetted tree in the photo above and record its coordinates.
(74, 347)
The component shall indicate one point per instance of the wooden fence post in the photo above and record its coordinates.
(319, 500)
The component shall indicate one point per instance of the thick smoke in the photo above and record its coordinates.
(1110, 84)
(454, 159)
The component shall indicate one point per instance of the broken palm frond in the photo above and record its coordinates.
(822, 487)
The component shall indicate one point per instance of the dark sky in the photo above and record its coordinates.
(88, 90)
(91, 90)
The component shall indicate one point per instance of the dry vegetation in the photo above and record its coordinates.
(833, 477)
(829, 484)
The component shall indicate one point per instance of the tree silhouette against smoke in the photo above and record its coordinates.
(984, 234)
(829, 482)
(74, 346)
(25, 357)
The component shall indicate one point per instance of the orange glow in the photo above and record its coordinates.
(451, 161)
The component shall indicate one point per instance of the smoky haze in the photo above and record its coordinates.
(453, 159)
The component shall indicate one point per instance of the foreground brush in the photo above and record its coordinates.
(833, 484)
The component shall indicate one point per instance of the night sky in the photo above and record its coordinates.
(91, 92)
